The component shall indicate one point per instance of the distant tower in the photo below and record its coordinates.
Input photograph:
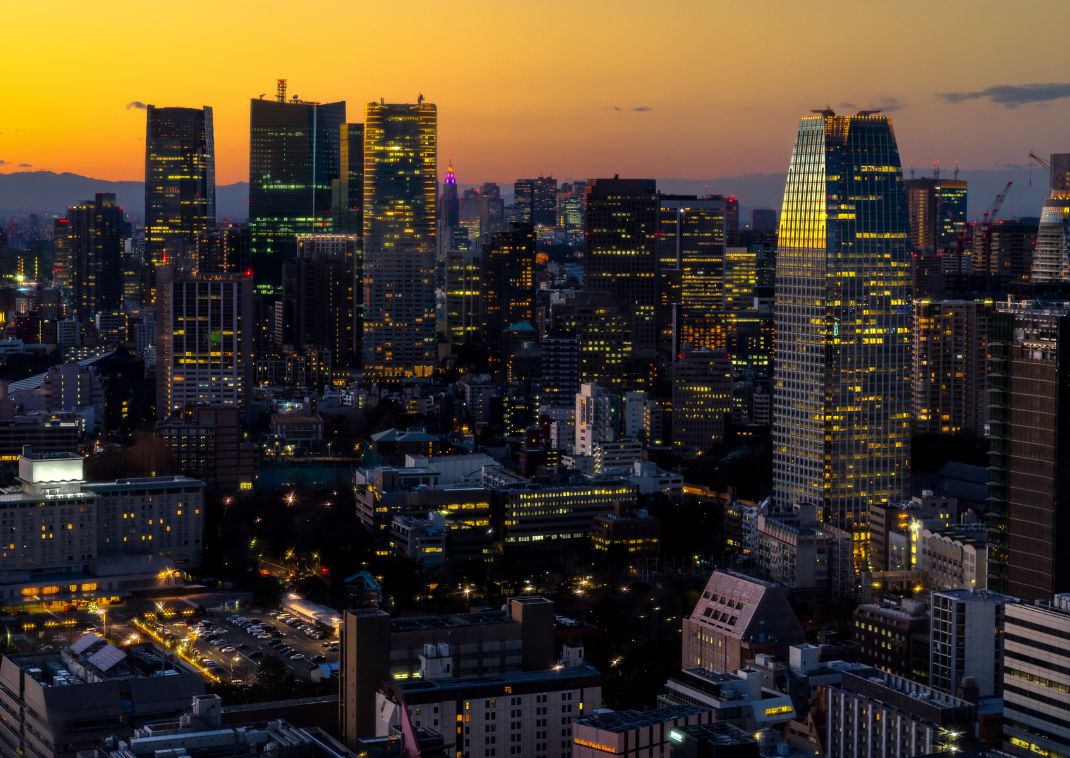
(400, 212)
(92, 254)
(451, 206)
(1051, 261)
(841, 429)
(179, 183)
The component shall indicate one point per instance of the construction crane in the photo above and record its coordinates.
(988, 218)
(1034, 158)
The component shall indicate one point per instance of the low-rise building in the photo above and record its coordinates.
(633, 734)
(878, 715)
(738, 699)
(420, 539)
(966, 640)
(631, 537)
(798, 551)
(716, 740)
(951, 560)
(55, 704)
(736, 618)
(893, 636)
(207, 442)
(533, 514)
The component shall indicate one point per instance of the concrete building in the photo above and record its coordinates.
(738, 699)
(593, 419)
(949, 353)
(894, 636)
(377, 648)
(633, 537)
(886, 521)
(423, 540)
(615, 457)
(879, 715)
(58, 703)
(1036, 678)
(701, 400)
(716, 740)
(737, 618)
(536, 515)
(207, 442)
(966, 640)
(516, 713)
(950, 560)
(799, 552)
(633, 734)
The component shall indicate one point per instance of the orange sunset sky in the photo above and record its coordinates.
(544, 86)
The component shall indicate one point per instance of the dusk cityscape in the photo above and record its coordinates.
(535, 380)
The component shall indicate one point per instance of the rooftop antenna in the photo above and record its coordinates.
(956, 171)
(936, 169)
(420, 99)
(912, 169)
(280, 90)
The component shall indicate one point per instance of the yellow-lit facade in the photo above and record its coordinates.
(400, 202)
(841, 430)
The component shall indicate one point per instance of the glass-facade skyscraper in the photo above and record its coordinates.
(90, 254)
(841, 429)
(1051, 260)
(179, 183)
(293, 159)
(400, 211)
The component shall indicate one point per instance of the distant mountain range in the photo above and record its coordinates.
(48, 192)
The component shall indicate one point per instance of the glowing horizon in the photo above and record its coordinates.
(554, 88)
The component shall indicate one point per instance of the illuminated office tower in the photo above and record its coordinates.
(451, 205)
(622, 223)
(61, 259)
(464, 297)
(204, 339)
(293, 159)
(937, 212)
(536, 201)
(451, 235)
(747, 310)
(605, 348)
(179, 183)
(509, 286)
(347, 191)
(691, 241)
(701, 400)
(224, 250)
(841, 428)
(92, 244)
(950, 343)
(1051, 259)
(1029, 450)
(400, 188)
(326, 295)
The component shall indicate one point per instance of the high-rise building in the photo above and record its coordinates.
(451, 205)
(1051, 260)
(536, 201)
(509, 284)
(950, 342)
(967, 640)
(1029, 450)
(622, 224)
(594, 418)
(224, 249)
(937, 211)
(690, 241)
(1036, 665)
(204, 351)
(400, 188)
(701, 400)
(747, 310)
(464, 297)
(605, 346)
(92, 245)
(179, 183)
(841, 430)
(763, 220)
(326, 295)
(293, 158)
(347, 199)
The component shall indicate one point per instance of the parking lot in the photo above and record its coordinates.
(229, 646)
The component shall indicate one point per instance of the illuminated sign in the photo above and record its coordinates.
(676, 736)
(777, 710)
(593, 745)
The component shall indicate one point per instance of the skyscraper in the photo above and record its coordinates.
(509, 279)
(464, 297)
(204, 339)
(622, 224)
(1029, 452)
(1051, 260)
(701, 400)
(293, 158)
(451, 205)
(347, 191)
(950, 343)
(179, 183)
(326, 295)
(400, 188)
(937, 211)
(536, 201)
(690, 238)
(841, 430)
(93, 249)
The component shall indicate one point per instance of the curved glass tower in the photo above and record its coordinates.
(841, 430)
(1051, 257)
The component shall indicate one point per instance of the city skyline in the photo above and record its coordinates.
(648, 118)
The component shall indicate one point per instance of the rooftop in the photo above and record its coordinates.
(624, 721)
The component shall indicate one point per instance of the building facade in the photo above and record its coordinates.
(841, 420)
(950, 343)
(400, 205)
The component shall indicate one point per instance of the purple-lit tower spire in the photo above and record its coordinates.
(451, 206)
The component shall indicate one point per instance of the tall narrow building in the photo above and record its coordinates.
(950, 347)
(204, 339)
(536, 201)
(841, 429)
(347, 198)
(179, 183)
(937, 212)
(400, 211)
(509, 280)
(622, 224)
(326, 296)
(293, 159)
(1051, 258)
(92, 253)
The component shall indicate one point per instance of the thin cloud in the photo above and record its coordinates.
(1013, 95)
(25, 165)
(886, 104)
(642, 109)
(136, 104)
